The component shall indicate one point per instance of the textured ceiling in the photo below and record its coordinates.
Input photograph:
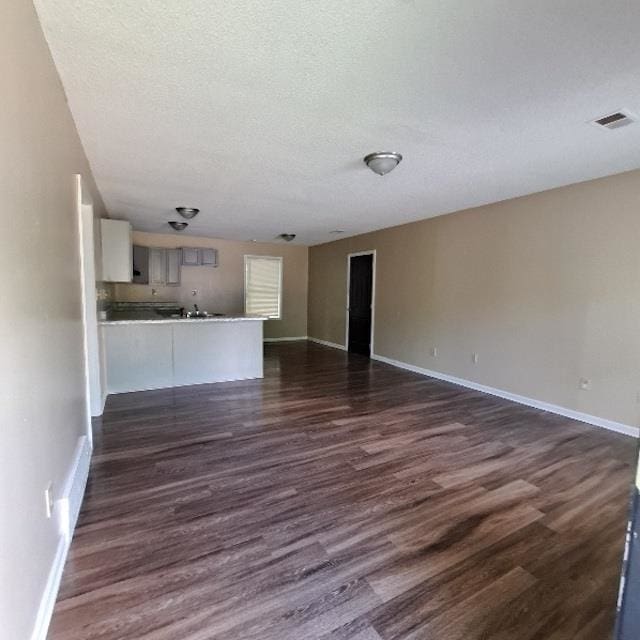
(260, 112)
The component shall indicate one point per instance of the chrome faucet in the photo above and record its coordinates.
(196, 313)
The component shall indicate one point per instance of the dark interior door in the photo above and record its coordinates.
(360, 292)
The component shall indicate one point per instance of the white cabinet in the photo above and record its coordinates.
(117, 250)
(139, 356)
(216, 351)
(156, 355)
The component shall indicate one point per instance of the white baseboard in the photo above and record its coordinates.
(73, 489)
(66, 510)
(48, 600)
(333, 345)
(619, 427)
(293, 339)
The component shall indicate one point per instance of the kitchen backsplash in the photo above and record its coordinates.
(104, 295)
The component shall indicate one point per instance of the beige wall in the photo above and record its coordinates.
(545, 288)
(220, 289)
(41, 368)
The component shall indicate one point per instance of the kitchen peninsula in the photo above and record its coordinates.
(156, 353)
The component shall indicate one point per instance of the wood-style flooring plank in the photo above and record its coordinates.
(343, 499)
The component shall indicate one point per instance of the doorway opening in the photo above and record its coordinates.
(361, 277)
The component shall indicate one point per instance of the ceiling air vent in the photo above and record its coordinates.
(615, 120)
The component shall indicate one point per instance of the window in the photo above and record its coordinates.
(263, 286)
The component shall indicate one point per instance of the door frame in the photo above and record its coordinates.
(91, 342)
(368, 252)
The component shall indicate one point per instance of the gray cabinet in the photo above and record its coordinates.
(157, 266)
(173, 258)
(209, 257)
(190, 256)
(199, 256)
(140, 264)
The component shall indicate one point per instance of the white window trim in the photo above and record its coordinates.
(244, 296)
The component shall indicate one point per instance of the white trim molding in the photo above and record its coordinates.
(595, 421)
(66, 511)
(292, 339)
(73, 490)
(48, 600)
(325, 343)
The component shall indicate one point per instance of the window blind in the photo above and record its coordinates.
(263, 286)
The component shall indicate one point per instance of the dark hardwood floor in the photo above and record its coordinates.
(342, 499)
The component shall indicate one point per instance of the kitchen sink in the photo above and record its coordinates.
(203, 316)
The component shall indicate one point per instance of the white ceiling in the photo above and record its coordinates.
(259, 112)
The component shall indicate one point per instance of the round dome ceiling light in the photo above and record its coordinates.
(179, 226)
(287, 237)
(382, 162)
(188, 212)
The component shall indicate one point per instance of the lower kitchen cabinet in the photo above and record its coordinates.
(216, 351)
(143, 355)
(139, 356)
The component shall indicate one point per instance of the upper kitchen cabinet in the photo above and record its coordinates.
(174, 257)
(190, 256)
(199, 256)
(156, 266)
(140, 264)
(117, 250)
(209, 257)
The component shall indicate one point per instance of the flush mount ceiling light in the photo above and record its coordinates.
(179, 226)
(383, 161)
(188, 212)
(287, 237)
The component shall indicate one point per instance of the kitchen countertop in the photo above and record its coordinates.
(161, 320)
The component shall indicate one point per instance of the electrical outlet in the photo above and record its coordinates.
(434, 352)
(584, 384)
(474, 358)
(48, 500)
